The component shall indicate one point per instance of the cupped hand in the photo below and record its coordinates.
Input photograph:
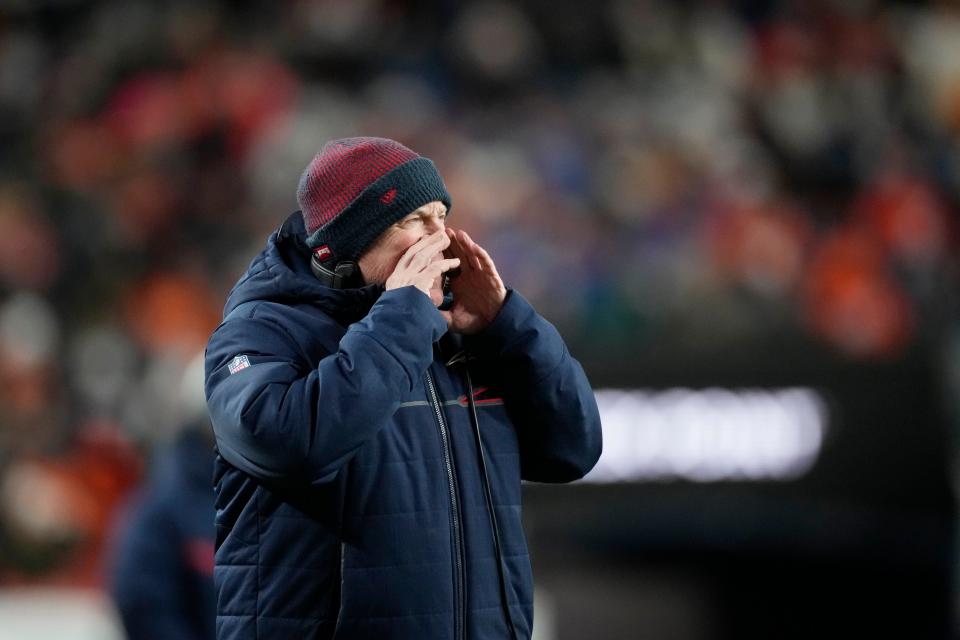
(478, 292)
(422, 265)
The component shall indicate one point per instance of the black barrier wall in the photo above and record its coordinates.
(860, 544)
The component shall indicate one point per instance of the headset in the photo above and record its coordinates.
(344, 275)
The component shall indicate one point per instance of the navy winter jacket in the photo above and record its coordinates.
(162, 574)
(350, 499)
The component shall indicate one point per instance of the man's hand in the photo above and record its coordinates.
(422, 265)
(478, 292)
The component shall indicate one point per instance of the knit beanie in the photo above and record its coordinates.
(355, 188)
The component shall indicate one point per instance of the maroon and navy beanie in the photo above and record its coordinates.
(355, 188)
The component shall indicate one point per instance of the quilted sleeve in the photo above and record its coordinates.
(278, 418)
(547, 394)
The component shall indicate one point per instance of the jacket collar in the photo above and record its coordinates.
(281, 273)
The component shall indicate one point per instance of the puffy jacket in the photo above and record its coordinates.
(351, 501)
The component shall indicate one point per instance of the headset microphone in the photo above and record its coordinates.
(447, 293)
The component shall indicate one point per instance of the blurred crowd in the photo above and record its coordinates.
(680, 173)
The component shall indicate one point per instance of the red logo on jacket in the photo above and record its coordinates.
(199, 555)
(477, 400)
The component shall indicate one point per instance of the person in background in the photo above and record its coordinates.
(162, 575)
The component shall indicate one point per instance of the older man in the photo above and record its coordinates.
(371, 445)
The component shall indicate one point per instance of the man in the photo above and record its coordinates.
(371, 446)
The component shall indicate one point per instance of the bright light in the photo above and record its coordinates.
(709, 435)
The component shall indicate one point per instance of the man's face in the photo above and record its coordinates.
(379, 261)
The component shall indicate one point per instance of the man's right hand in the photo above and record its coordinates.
(422, 265)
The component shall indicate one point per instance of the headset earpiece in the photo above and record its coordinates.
(344, 275)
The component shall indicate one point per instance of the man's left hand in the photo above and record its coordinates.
(478, 292)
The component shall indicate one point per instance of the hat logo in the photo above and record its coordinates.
(322, 252)
(388, 197)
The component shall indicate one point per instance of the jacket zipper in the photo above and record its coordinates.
(458, 578)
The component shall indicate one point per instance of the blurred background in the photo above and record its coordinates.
(742, 216)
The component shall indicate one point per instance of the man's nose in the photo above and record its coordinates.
(434, 224)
